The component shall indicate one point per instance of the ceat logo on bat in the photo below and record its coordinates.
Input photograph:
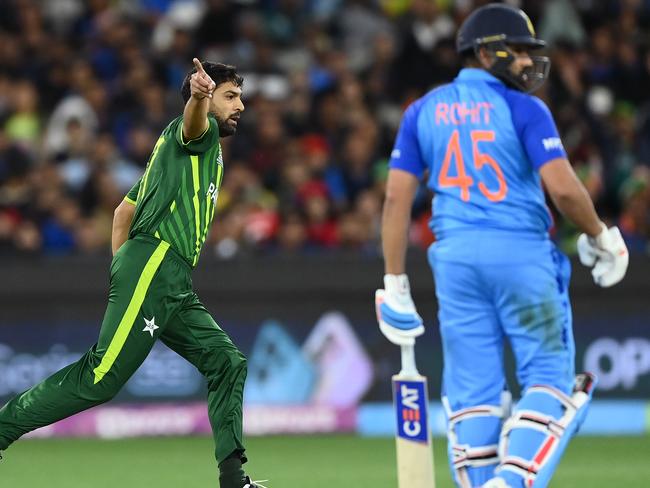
(411, 410)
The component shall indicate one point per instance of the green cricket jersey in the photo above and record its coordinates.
(176, 196)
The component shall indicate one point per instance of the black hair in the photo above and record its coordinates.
(219, 72)
(468, 58)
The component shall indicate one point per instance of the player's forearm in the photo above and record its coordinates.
(195, 118)
(119, 236)
(396, 219)
(570, 196)
(121, 224)
(576, 205)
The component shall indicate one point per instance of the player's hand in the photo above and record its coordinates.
(201, 85)
(396, 314)
(606, 253)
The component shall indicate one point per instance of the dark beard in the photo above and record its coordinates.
(225, 129)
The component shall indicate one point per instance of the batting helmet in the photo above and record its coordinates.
(495, 27)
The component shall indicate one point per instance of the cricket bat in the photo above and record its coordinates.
(413, 435)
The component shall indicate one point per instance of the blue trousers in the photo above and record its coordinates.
(493, 287)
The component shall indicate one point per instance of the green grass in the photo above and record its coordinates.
(289, 462)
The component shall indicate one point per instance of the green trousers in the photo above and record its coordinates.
(150, 298)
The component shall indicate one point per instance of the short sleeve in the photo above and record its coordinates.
(132, 195)
(406, 152)
(202, 143)
(537, 130)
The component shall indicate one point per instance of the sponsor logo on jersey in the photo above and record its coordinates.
(213, 193)
(551, 143)
(396, 154)
(411, 410)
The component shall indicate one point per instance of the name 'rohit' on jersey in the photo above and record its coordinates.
(483, 144)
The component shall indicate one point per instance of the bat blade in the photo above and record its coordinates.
(413, 436)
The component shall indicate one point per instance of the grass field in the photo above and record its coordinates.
(289, 462)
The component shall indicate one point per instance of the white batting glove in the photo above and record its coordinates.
(396, 314)
(606, 253)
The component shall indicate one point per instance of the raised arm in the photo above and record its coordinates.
(195, 115)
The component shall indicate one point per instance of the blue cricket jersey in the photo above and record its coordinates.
(483, 144)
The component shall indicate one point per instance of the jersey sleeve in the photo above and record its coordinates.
(132, 195)
(201, 144)
(406, 152)
(537, 131)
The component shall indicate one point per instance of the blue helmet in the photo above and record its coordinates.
(495, 27)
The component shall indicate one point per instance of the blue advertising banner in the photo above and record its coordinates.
(335, 360)
(307, 327)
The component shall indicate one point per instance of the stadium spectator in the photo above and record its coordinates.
(326, 85)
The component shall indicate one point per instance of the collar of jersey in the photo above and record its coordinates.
(477, 74)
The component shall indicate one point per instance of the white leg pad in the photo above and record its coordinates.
(473, 460)
(532, 462)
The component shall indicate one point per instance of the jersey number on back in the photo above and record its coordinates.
(462, 179)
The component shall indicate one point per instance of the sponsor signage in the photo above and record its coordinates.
(121, 421)
(333, 359)
(620, 364)
(411, 410)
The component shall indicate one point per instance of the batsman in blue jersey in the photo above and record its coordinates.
(485, 146)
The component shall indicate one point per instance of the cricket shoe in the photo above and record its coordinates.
(254, 484)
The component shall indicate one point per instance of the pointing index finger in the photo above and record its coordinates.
(198, 66)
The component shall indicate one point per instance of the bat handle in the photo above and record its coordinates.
(408, 361)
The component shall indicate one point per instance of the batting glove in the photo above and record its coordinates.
(396, 314)
(606, 254)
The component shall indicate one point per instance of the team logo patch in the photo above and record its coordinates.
(151, 325)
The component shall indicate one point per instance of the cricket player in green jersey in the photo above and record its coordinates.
(158, 232)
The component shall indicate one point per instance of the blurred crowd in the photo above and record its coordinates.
(87, 86)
